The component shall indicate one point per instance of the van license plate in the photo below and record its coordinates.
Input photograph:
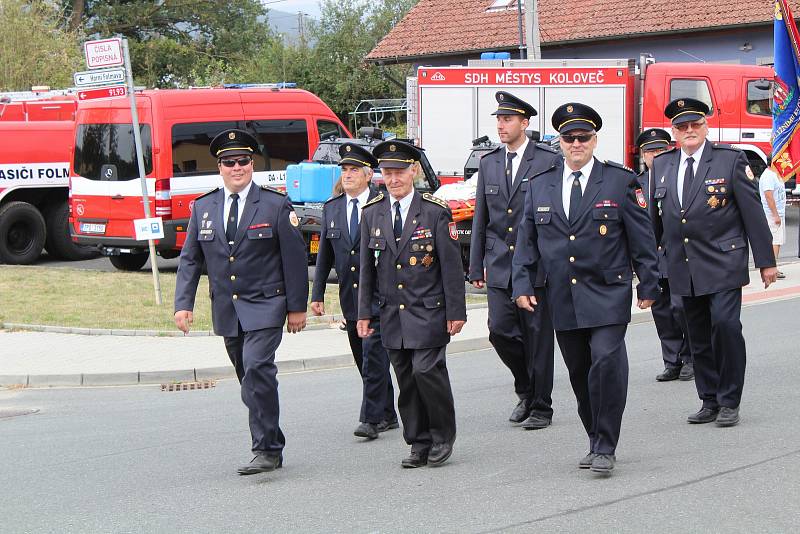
(93, 228)
(313, 247)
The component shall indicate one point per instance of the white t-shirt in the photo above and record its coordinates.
(769, 181)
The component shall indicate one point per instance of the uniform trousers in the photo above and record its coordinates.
(598, 371)
(425, 402)
(673, 332)
(718, 349)
(377, 401)
(253, 355)
(524, 342)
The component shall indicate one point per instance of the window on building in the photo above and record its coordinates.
(697, 89)
(282, 141)
(759, 97)
(329, 129)
(190, 154)
(503, 5)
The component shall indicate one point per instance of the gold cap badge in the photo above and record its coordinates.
(569, 109)
(681, 103)
(232, 135)
(392, 148)
(348, 148)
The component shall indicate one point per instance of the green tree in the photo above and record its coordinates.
(35, 48)
(178, 42)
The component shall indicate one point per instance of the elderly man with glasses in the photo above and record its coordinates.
(585, 224)
(709, 209)
(248, 237)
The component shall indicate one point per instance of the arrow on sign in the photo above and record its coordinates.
(103, 92)
(99, 77)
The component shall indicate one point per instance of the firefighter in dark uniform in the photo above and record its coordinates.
(585, 224)
(248, 236)
(710, 209)
(339, 245)
(668, 308)
(523, 340)
(411, 259)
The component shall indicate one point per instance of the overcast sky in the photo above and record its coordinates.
(310, 7)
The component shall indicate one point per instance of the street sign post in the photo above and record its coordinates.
(103, 53)
(102, 93)
(98, 77)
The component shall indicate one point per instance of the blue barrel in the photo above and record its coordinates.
(311, 182)
(487, 55)
(502, 55)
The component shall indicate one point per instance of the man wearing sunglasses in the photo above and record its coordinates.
(339, 245)
(248, 237)
(585, 224)
(523, 340)
(708, 200)
(668, 308)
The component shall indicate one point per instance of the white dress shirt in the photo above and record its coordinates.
(362, 199)
(227, 209)
(682, 168)
(567, 179)
(405, 204)
(515, 163)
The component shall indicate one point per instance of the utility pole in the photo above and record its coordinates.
(532, 27)
(521, 34)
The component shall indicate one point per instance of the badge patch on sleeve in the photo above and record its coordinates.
(453, 231)
(640, 198)
(293, 220)
(749, 172)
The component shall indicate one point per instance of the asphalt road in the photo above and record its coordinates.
(136, 459)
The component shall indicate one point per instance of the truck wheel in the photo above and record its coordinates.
(58, 242)
(129, 262)
(22, 233)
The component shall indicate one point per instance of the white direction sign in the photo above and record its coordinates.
(103, 53)
(151, 228)
(98, 77)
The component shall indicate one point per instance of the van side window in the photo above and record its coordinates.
(329, 129)
(111, 146)
(190, 155)
(282, 142)
(759, 97)
(697, 89)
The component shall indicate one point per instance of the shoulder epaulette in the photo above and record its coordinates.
(435, 200)
(209, 193)
(272, 189)
(670, 150)
(546, 147)
(334, 197)
(495, 149)
(617, 165)
(726, 146)
(374, 200)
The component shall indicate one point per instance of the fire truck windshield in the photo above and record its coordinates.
(98, 145)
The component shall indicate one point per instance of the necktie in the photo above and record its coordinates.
(687, 180)
(398, 222)
(353, 220)
(233, 219)
(510, 169)
(575, 196)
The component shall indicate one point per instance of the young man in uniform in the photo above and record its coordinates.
(339, 245)
(248, 236)
(523, 340)
(411, 260)
(709, 206)
(667, 309)
(585, 225)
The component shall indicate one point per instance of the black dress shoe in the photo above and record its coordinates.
(670, 373)
(439, 453)
(366, 430)
(385, 425)
(728, 416)
(705, 415)
(415, 459)
(586, 461)
(535, 422)
(262, 463)
(521, 411)
(687, 372)
(603, 463)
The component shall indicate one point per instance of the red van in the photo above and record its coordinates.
(176, 128)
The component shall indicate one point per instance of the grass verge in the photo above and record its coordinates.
(108, 300)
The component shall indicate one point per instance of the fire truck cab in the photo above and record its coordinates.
(176, 128)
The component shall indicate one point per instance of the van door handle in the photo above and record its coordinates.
(748, 135)
(117, 197)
